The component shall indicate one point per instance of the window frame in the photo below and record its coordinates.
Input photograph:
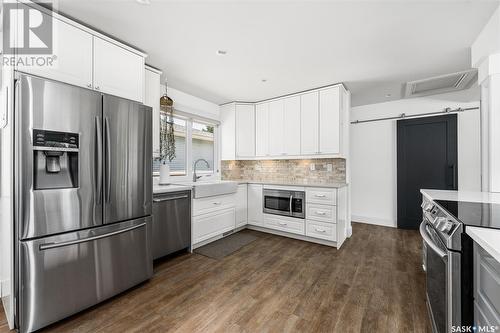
(188, 176)
(215, 142)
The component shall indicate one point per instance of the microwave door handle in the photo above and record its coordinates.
(291, 199)
(428, 241)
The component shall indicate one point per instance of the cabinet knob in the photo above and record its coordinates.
(97, 88)
(89, 85)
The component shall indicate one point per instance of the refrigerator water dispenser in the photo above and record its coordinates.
(55, 159)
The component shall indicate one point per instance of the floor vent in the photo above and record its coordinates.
(440, 84)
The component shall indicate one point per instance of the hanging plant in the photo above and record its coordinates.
(167, 137)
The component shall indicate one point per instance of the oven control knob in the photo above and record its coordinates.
(446, 227)
(438, 221)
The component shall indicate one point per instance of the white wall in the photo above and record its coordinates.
(373, 153)
(192, 104)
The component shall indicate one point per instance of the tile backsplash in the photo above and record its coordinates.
(286, 171)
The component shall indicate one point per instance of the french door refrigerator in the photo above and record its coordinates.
(83, 198)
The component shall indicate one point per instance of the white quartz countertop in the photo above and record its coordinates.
(302, 184)
(158, 189)
(469, 196)
(488, 239)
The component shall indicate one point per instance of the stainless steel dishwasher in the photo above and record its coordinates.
(171, 222)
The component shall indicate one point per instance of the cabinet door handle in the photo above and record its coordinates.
(320, 213)
(319, 230)
(282, 223)
(320, 195)
(216, 203)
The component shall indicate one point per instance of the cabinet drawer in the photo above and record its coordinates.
(323, 213)
(211, 204)
(322, 196)
(212, 224)
(321, 230)
(292, 225)
(486, 287)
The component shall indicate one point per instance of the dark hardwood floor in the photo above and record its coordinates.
(374, 283)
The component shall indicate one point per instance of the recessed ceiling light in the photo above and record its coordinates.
(388, 95)
(264, 80)
(143, 2)
(221, 52)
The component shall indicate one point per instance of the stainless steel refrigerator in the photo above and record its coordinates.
(83, 198)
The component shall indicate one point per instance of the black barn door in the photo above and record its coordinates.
(427, 158)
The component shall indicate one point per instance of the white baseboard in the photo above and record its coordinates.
(374, 221)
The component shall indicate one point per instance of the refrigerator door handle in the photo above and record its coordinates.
(48, 246)
(98, 150)
(108, 158)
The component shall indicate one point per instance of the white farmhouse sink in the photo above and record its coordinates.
(202, 189)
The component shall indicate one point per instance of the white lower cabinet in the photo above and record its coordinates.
(287, 224)
(241, 205)
(211, 204)
(324, 222)
(322, 230)
(212, 224)
(255, 210)
(323, 213)
(486, 288)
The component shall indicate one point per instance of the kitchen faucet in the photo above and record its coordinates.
(194, 171)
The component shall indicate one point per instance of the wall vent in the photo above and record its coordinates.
(440, 84)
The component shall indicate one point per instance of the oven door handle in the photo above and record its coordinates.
(427, 239)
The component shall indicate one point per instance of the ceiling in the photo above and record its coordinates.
(371, 46)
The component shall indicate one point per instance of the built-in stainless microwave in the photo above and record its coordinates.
(286, 203)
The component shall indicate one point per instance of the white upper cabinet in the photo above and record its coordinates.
(304, 125)
(152, 96)
(118, 71)
(245, 130)
(262, 129)
(276, 146)
(72, 61)
(291, 125)
(86, 58)
(329, 120)
(309, 123)
(228, 131)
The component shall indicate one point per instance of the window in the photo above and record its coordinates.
(202, 136)
(194, 139)
(178, 164)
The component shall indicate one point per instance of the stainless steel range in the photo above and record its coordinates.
(448, 259)
(83, 199)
